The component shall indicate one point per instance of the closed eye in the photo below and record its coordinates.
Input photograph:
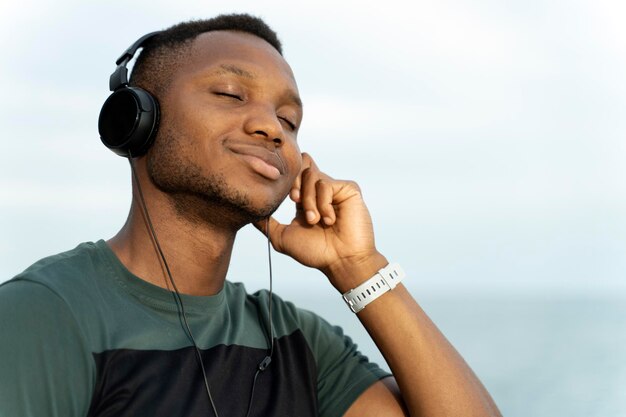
(289, 123)
(233, 96)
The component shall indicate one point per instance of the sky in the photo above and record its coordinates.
(488, 136)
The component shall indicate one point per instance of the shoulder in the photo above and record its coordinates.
(64, 290)
(49, 279)
(43, 292)
(55, 270)
(287, 317)
(283, 311)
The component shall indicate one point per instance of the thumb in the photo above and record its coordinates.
(275, 231)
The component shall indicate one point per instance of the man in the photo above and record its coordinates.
(146, 324)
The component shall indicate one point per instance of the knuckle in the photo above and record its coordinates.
(324, 189)
(309, 160)
(322, 183)
(306, 173)
(353, 185)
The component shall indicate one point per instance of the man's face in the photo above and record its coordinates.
(227, 138)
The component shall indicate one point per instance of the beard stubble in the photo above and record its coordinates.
(196, 196)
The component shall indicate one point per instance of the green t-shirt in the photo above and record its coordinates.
(82, 336)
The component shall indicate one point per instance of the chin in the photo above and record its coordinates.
(231, 210)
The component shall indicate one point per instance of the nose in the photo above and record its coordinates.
(263, 123)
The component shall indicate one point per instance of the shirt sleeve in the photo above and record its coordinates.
(344, 373)
(46, 369)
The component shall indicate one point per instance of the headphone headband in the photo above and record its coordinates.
(119, 77)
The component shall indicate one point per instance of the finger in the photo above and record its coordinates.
(324, 196)
(308, 194)
(294, 193)
(275, 231)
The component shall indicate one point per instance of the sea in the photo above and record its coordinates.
(539, 355)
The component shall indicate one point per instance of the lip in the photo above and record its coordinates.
(261, 159)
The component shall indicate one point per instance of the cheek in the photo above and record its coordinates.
(196, 133)
(295, 161)
(190, 119)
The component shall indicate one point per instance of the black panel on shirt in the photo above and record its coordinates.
(158, 383)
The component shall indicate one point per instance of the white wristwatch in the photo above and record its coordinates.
(385, 280)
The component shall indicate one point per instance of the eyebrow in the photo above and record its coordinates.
(295, 99)
(235, 70)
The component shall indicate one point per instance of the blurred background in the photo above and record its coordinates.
(488, 138)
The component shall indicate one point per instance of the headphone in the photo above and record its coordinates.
(129, 118)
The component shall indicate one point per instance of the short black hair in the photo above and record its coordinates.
(161, 54)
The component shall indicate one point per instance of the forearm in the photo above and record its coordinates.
(434, 379)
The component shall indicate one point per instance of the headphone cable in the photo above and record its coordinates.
(177, 297)
(268, 359)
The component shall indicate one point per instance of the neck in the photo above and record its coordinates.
(198, 255)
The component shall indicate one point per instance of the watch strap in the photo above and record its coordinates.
(383, 281)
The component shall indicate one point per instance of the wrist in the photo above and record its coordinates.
(385, 280)
(347, 274)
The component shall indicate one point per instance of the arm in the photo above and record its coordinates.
(434, 379)
(332, 231)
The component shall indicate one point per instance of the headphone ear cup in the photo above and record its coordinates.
(128, 121)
